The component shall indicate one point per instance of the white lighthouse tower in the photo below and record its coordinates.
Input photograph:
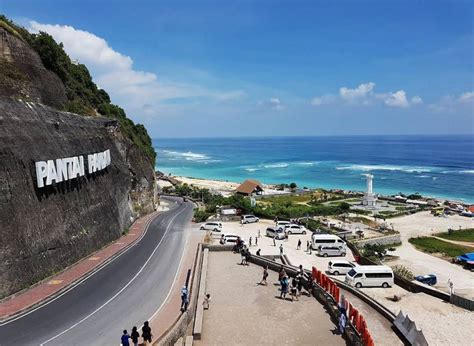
(369, 199)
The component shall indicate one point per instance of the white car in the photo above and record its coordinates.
(283, 224)
(249, 219)
(295, 229)
(274, 232)
(227, 239)
(212, 226)
(338, 267)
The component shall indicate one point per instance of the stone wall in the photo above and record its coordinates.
(384, 240)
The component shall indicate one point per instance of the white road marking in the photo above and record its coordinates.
(119, 292)
(86, 276)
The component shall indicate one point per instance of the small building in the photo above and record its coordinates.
(250, 187)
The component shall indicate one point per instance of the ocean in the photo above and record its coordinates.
(438, 166)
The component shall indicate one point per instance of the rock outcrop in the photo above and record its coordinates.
(43, 230)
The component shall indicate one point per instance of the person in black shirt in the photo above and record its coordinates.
(146, 333)
(134, 336)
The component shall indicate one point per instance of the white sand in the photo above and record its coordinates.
(226, 188)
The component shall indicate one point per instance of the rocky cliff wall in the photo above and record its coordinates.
(43, 230)
(22, 74)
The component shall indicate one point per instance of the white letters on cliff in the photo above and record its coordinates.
(56, 171)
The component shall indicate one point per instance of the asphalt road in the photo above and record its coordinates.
(123, 294)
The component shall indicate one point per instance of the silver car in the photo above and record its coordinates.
(331, 250)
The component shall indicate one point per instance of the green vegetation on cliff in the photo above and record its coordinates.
(84, 97)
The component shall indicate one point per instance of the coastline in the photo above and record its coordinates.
(226, 187)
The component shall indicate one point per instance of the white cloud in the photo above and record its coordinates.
(323, 100)
(416, 100)
(363, 90)
(466, 97)
(113, 71)
(365, 94)
(396, 99)
(275, 103)
(449, 103)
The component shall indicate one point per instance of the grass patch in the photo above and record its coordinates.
(433, 245)
(459, 235)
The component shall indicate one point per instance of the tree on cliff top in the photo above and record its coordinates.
(84, 97)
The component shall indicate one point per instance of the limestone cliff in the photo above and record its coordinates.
(43, 230)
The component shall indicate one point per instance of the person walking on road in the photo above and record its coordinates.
(281, 249)
(134, 336)
(259, 233)
(256, 241)
(294, 285)
(274, 242)
(284, 287)
(298, 247)
(250, 242)
(264, 277)
(300, 285)
(146, 333)
(124, 338)
(205, 303)
(307, 246)
(184, 298)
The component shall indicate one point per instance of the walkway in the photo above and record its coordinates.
(244, 313)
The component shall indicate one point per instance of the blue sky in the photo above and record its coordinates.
(249, 68)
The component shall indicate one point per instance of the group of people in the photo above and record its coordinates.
(296, 286)
(146, 335)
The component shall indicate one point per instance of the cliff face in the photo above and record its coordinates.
(24, 76)
(43, 230)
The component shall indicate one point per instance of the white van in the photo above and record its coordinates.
(370, 276)
(337, 267)
(326, 239)
(212, 226)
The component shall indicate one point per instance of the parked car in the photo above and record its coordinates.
(229, 239)
(249, 219)
(337, 267)
(212, 226)
(275, 232)
(331, 250)
(429, 279)
(283, 224)
(295, 229)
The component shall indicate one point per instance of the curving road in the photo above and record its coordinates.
(124, 293)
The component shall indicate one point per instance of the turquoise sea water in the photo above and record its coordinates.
(439, 166)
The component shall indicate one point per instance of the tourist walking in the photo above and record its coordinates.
(300, 270)
(256, 241)
(281, 274)
(205, 303)
(265, 276)
(146, 333)
(124, 338)
(184, 298)
(259, 233)
(294, 285)
(342, 322)
(300, 285)
(134, 336)
(250, 242)
(243, 255)
(281, 249)
(307, 246)
(284, 287)
(274, 242)
(298, 247)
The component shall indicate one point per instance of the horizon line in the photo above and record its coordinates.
(315, 136)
